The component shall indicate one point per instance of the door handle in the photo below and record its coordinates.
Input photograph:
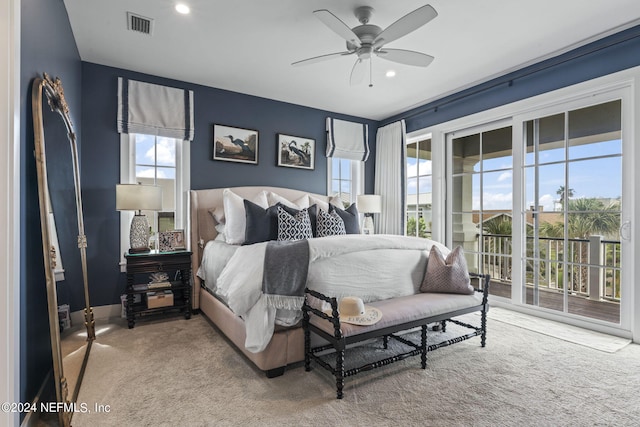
(625, 230)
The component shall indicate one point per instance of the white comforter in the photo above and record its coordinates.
(372, 267)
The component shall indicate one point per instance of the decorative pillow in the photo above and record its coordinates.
(333, 200)
(221, 235)
(235, 215)
(329, 224)
(294, 227)
(218, 214)
(350, 218)
(274, 199)
(262, 224)
(449, 275)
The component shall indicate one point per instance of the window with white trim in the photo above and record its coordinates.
(345, 178)
(161, 161)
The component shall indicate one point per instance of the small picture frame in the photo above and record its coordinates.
(296, 152)
(178, 240)
(232, 144)
(165, 241)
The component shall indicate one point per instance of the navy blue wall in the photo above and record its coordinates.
(101, 157)
(47, 45)
(611, 54)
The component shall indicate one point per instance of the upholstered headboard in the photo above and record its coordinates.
(203, 226)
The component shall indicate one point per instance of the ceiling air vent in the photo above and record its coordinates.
(139, 23)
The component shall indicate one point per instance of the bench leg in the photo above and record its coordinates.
(385, 342)
(443, 324)
(483, 326)
(339, 373)
(423, 347)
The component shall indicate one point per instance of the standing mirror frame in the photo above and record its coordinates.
(52, 89)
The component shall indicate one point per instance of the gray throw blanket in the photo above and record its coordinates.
(286, 264)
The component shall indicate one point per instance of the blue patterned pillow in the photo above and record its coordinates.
(294, 227)
(350, 218)
(329, 224)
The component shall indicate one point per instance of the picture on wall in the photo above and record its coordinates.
(296, 151)
(234, 144)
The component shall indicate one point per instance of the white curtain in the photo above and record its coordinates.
(347, 140)
(391, 153)
(154, 109)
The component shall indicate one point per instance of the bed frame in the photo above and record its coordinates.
(287, 345)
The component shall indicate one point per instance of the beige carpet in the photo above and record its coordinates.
(183, 373)
(574, 334)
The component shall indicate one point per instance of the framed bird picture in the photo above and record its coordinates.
(296, 152)
(234, 144)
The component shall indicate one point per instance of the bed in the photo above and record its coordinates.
(371, 267)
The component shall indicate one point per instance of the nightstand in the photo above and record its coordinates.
(174, 295)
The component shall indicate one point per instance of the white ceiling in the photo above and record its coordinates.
(248, 46)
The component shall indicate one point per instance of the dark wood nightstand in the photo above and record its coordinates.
(173, 296)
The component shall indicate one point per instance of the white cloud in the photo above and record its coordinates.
(492, 201)
(166, 152)
(149, 173)
(547, 202)
(505, 176)
(425, 168)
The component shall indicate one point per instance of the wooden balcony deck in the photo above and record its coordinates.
(582, 306)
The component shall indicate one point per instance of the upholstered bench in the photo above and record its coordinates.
(398, 314)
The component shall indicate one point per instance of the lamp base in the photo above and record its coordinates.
(139, 234)
(367, 224)
(139, 250)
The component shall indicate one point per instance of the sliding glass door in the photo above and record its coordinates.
(537, 201)
(573, 178)
(480, 199)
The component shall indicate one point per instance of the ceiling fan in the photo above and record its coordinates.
(367, 40)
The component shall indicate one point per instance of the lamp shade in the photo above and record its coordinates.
(369, 203)
(134, 197)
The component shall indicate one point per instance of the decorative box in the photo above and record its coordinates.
(158, 299)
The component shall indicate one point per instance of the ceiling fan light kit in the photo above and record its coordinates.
(367, 40)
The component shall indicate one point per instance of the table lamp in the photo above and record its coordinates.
(369, 204)
(138, 197)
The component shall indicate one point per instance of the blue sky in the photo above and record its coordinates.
(587, 176)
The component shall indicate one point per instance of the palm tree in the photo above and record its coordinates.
(561, 192)
(586, 217)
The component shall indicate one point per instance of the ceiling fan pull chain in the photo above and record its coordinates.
(371, 72)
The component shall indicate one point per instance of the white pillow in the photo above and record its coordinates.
(274, 199)
(218, 214)
(235, 215)
(333, 200)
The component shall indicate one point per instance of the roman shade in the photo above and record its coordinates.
(347, 140)
(154, 109)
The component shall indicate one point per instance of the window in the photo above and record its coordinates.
(156, 160)
(346, 178)
(419, 187)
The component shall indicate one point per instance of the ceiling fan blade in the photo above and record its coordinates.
(339, 27)
(321, 58)
(403, 26)
(357, 73)
(408, 57)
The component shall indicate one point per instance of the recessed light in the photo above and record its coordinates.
(390, 74)
(182, 8)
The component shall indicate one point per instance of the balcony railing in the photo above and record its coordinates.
(593, 265)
